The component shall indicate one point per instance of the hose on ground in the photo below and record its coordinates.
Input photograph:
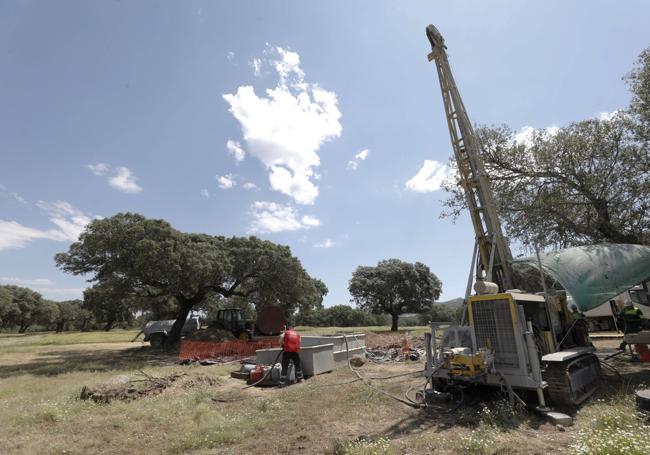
(367, 383)
(265, 374)
(511, 393)
(602, 362)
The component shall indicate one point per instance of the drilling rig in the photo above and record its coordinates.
(508, 337)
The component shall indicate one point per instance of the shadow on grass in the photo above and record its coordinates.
(481, 405)
(627, 378)
(55, 362)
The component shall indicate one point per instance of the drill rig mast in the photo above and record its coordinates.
(512, 338)
(494, 253)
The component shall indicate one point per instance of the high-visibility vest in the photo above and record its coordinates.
(291, 341)
(633, 318)
(632, 314)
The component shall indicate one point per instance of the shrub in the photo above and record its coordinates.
(618, 431)
(339, 316)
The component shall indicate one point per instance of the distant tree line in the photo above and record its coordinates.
(340, 316)
(22, 309)
(441, 313)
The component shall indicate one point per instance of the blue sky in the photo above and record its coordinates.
(296, 121)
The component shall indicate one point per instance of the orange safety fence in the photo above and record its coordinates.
(201, 350)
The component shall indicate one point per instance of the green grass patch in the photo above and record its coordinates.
(363, 446)
(30, 340)
(614, 428)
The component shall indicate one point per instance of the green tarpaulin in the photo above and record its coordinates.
(595, 274)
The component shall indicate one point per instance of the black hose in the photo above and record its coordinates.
(567, 333)
(367, 382)
(265, 374)
(602, 362)
(511, 393)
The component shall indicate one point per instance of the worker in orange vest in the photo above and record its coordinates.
(290, 343)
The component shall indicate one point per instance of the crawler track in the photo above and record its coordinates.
(573, 381)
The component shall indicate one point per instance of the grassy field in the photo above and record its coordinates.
(207, 412)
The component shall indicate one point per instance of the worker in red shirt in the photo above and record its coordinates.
(290, 343)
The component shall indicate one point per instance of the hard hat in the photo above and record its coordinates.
(573, 307)
(628, 304)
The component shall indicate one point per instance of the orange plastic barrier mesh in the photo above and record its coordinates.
(200, 350)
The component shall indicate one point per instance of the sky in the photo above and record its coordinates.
(318, 125)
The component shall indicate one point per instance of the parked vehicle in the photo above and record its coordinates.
(156, 332)
(269, 321)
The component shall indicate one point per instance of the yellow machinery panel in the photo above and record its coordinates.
(468, 365)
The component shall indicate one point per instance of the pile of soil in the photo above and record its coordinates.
(384, 341)
(388, 346)
(121, 388)
(211, 334)
(392, 340)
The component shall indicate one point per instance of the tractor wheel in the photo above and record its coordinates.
(157, 340)
(244, 336)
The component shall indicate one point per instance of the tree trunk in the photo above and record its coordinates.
(59, 327)
(23, 328)
(395, 317)
(175, 333)
(109, 326)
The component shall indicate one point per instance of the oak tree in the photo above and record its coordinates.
(394, 287)
(584, 183)
(129, 255)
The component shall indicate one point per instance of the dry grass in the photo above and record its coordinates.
(40, 381)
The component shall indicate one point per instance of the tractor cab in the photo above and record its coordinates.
(230, 319)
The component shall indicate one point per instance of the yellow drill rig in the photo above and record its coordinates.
(508, 337)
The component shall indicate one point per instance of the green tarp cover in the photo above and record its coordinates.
(595, 274)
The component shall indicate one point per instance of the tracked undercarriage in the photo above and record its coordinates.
(572, 381)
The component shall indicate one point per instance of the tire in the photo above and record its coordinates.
(244, 336)
(157, 340)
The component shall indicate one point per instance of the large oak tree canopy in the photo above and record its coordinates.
(394, 287)
(130, 255)
(587, 183)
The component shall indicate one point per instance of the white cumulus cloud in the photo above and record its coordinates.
(286, 128)
(25, 281)
(607, 116)
(12, 194)
(274, 217)
(429, 177)
(205, 193)
(69, 223)
(99, 168)
(527, 133)
(225, 182)
(327, 243)
(256, 64)
(44, 286)
(250, 186)
(60, 293)
(353, 164)
(234, 148)
(15, 235)
(124, 180)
